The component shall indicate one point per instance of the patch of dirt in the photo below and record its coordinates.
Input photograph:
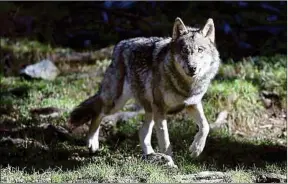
(271, 126)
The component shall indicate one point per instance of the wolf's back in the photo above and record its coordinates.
(142, 49)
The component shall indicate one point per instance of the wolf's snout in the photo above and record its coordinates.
(191, 70)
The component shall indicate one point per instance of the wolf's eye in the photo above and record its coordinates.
(200, 49)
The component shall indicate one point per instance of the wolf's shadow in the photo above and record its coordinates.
(37, 149)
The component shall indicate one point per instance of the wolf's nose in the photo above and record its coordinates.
(191, 70)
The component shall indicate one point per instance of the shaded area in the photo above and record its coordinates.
(242, 28)
(39, 147)
(220, 151)
(232, 153)
(73, 33)
(42, 147)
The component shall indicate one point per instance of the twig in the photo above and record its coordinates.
(220, 121)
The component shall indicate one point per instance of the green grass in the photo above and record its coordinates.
(22, 46)
(97, 171)
(236, 89)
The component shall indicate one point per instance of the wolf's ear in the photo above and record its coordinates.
(178, 29)
(209, 30)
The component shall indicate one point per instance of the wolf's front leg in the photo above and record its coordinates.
(162, 134)
(163, 137)
(145, 133)
(200, 138)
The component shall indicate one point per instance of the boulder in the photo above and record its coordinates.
(45, 69)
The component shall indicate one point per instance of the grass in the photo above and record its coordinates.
(236, 88)
(22, 46)
(99, 171)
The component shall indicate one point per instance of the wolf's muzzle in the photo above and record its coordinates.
(191, 70)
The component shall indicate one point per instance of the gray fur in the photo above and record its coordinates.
(164, 75)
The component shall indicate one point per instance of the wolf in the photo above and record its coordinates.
(165, 75)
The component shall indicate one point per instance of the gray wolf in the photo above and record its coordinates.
(165, 76)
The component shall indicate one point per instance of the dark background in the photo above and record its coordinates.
(242, 28)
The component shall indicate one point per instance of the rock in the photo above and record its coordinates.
(204, 177)
(210, 174)
(271, 178)
(211, 181)
(161, 159)
(45, 69)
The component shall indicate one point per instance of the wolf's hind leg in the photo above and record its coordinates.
(93, 136)
(106, 109)
(200, 138)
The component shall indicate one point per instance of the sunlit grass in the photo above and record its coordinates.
(236, 89)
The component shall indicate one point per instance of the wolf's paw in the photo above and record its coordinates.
(161, 159)
(196, 149)
(93, 145)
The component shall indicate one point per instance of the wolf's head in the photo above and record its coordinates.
(193, 49)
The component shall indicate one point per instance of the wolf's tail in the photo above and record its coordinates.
(85, 111)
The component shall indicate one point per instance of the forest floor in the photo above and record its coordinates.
(250, 147)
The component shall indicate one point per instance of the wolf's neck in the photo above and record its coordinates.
(176, 77)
